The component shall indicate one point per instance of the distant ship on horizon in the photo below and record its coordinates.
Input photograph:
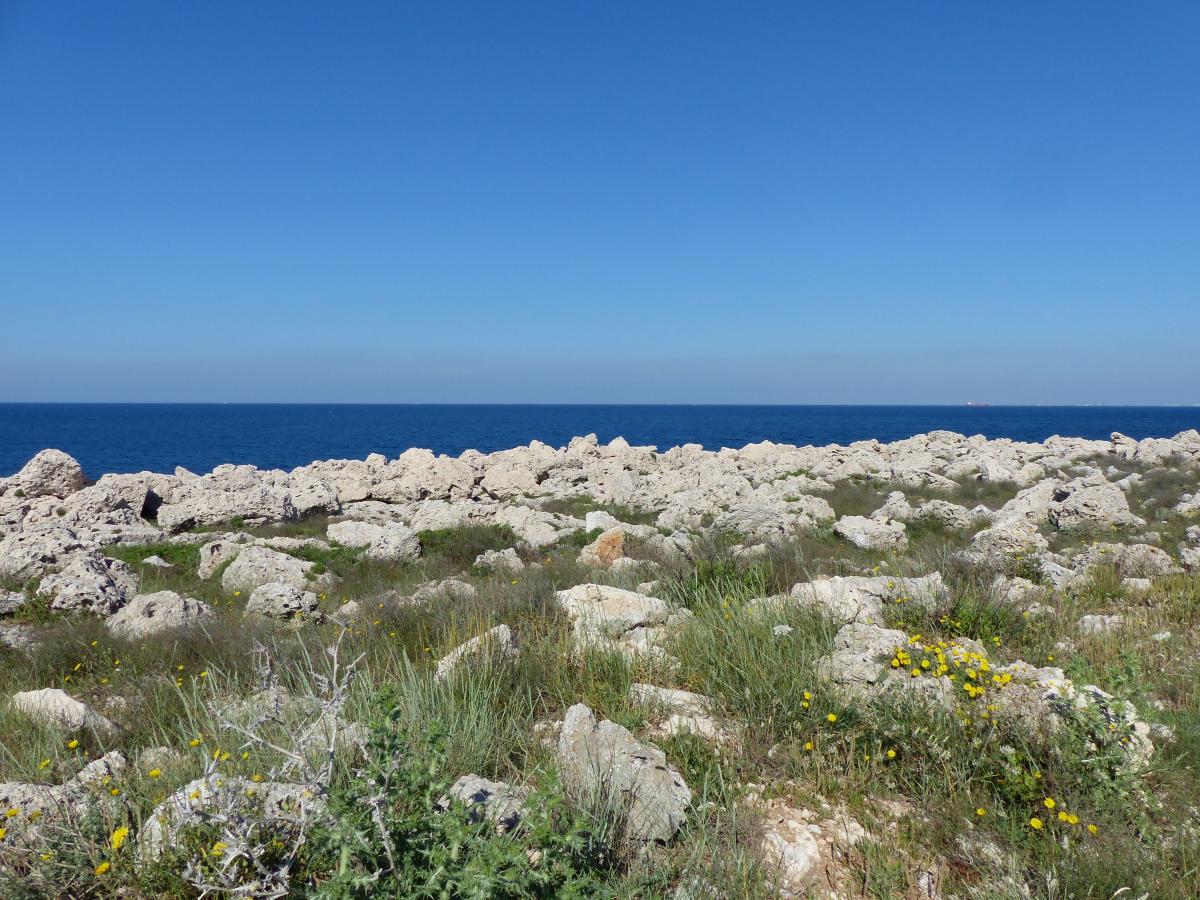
(982, 405)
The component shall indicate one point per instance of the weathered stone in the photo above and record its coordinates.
(58, 709)
(276, 600)
(496, 801)
(255, 566)
(605, 550)
(149, 615)
(602, 762)
(872, 534)
(496, 644)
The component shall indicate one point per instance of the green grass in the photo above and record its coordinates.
(460, 546)
(918, 805)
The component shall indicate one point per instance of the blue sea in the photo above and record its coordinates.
(158, 437)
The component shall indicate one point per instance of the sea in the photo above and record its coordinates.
(119, 437)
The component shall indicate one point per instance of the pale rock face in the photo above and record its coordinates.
(60, 710)
(1098, 624)
(419, 475)
(33, 553)
(800, 848)
(946, 514)
(774, 518)
(1091, 501)
(602, 613)
(51, 473)
(605, 550)
(896, 507)
(275, 802)
(509, 480)
(230, 492)
(858, 598)
(59, 805)
(535, 527)
(446, 589)
(11, 601)
(90, 583)
(353, 534)
(149, 615)
(276, 600)
(255, 566)
(1129, 560)
(500, 561)
(496, 644)
(496, 801)
(688, 713)
(1009, 540)
(602, 759)
(217, 552)
(871, 534)
(396, 543)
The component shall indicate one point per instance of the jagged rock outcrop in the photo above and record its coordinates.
(601, 761)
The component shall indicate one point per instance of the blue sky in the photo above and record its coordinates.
(600, 202)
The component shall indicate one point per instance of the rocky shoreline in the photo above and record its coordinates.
(876, 551)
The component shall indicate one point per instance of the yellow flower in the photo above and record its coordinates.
(194, 742)
(102, 868)
(114, 791)
(72, 744)
(831, 718)
(204, 674)
(1072, 819)
(1048, 803)
(118, 837)
(1092, 829)
(2, 834)
(154, 773)
(1035, 823)
(12, 813)
(219, 847)
(43, 763)
(256, 778)
(980, 811)
(237, 593)
(1062, 816)
(808, 745)
(891, 754)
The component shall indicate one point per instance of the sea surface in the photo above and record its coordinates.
(159, 437)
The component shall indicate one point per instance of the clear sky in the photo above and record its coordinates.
(600, 201)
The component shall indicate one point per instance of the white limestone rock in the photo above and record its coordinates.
(872, 534)
(602, 759)
(255, 566)
(277, 600)
(58, 709)
(150, 615)
(496, 644)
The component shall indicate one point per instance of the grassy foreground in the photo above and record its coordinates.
(953, 805)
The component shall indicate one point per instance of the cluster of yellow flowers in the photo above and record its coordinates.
(950, 660)
(1067, 818)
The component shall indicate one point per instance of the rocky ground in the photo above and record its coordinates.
(942, 667)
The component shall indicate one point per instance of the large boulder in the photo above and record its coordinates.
(61, 807)
(1091, 502)
(33, 553)
(275, 600)
(496, 644)
(91, 583)
(396, 543)
(255, 566)
(58, 709)
(605, 550)
(149, 615)
(267, 805)
(858, 598)
(603, 614)
(51, 473)
(872, 534)
(601, 762)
